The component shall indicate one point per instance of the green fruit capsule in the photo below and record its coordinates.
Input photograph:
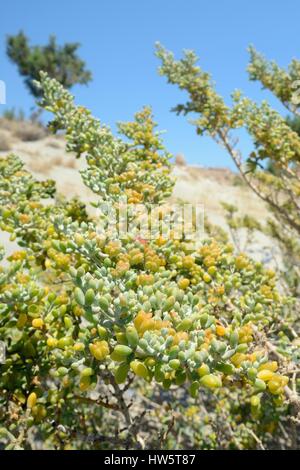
(203, 319)
(64, 342)
(260, 385)
(166, 384)
(185, 325)
(121, 372)
(174, 364)
(89, 296)
(122, 350)
(132, 336)
(180, 377)
(102, 332)
(234, 339)
(104, 303)
(80, 272)
(62, 371)
(29, 350)
(158, 374)
(224, 367)
(68, 322)
(252, 372)
(87, 372)
(169, 302)
(79, 296)
(121, 338)
(194, 389)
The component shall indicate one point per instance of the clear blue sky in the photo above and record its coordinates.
(118, 37)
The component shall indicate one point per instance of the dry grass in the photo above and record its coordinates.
(30, 132)
(26, 131)
(5, 141)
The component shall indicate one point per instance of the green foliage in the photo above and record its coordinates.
(60, 62)
(283, 83)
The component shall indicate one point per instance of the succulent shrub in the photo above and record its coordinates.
(85, 311)
(272, 168)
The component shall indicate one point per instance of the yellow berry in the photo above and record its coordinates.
(265, 375)
(31, 400)
(99, 350)
(203, 370)
(211, 381)
(183, 283)
(52, 342)
(37, 323)
(206, 278)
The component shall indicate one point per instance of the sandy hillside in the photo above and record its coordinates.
(45, 157)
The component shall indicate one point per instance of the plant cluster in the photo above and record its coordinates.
(87, 315)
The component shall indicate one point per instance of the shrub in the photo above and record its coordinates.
(60, 62)
(272, 168)
(86, 311)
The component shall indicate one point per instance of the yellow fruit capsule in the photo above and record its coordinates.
(37, 323)
(139, 369)
(203, 370)
(79, 239)
(265, 375)
(188, 262)
(78, 311)
(212, 270)
(31, 400)
(211, 381)
(78, 347)
(255, 401)
(271, 365)
(150, 362)
(87, 372)
(206, 278)
(220, 330)
(277, 383)
(238, 358)
(99, 350)
(183, 283)
(52, 342)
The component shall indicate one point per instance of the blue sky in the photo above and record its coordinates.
(118, 37)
